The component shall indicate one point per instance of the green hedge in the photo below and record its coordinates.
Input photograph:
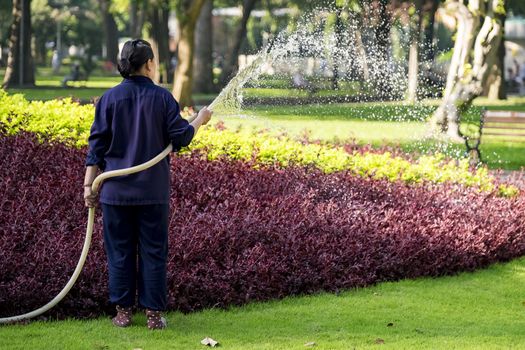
(58, 120)
(67, 121)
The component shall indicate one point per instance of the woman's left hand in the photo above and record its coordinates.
(90, 198)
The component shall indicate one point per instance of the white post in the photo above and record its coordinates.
(59, 37)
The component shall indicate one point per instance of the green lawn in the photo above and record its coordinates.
(481, 310)
(49, 85)
(391, 123)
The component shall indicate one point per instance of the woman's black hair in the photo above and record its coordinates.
(133, 55)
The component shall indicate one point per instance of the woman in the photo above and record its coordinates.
(134, 122)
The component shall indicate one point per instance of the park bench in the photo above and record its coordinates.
(498, 125)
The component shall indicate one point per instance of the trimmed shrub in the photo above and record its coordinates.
(239, 234)
(68, 122)
(57, 120)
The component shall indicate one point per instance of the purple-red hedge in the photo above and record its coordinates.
(238, 234)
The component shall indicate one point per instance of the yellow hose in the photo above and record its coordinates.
(89, 233)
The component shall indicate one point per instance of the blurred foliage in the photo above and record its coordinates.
(6, 8)
(80, 24)
(516, 7)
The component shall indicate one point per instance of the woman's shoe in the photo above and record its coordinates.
(155, 320)
(124, 315)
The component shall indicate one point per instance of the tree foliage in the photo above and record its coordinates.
(516, 7)
(6, 9)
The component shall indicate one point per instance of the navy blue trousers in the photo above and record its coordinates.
(136, 245)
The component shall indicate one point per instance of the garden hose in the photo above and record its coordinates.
(89, 233)
(230, 89)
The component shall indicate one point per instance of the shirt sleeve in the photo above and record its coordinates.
(100, 135)
(180, 131)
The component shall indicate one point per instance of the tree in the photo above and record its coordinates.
(376, 13)
(137, 14)
(338, 31)
(495, 87)
(428, 43)
(359, 62)
(414, 51)
(188, 12)
(516, 7)
(478, 37)
(6, 16)
(110, 31)
(203, 60)
(20, 69)
(158, 32)
(232, 61)
(421, 51)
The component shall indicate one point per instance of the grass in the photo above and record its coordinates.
(393, 123)
(481, 310)
(49, 85)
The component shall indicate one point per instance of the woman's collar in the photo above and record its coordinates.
(139, 79)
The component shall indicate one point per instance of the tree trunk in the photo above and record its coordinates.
(159, 38)
(361, 61)
(338, 29)
(133, 17)
(413, 56)
(136, 18)
(20, 68)
(187, 13)
(203, 61)
(496, 89)
(232, 61)
(429, 51)
(110, 32)
(413, 71)
(362, 55)
(478, 37)
(382, 76)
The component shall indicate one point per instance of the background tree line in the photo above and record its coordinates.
(27, 26)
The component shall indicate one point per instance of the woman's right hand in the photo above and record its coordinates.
(205, 115)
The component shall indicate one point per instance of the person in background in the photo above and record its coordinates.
(55, 62)
(134, 122)
(73, 76)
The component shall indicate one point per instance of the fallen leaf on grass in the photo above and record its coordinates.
(209, 342)
(379, 341)
(311, 343)
(390, 324)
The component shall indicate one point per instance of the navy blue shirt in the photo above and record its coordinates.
(135, 121)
